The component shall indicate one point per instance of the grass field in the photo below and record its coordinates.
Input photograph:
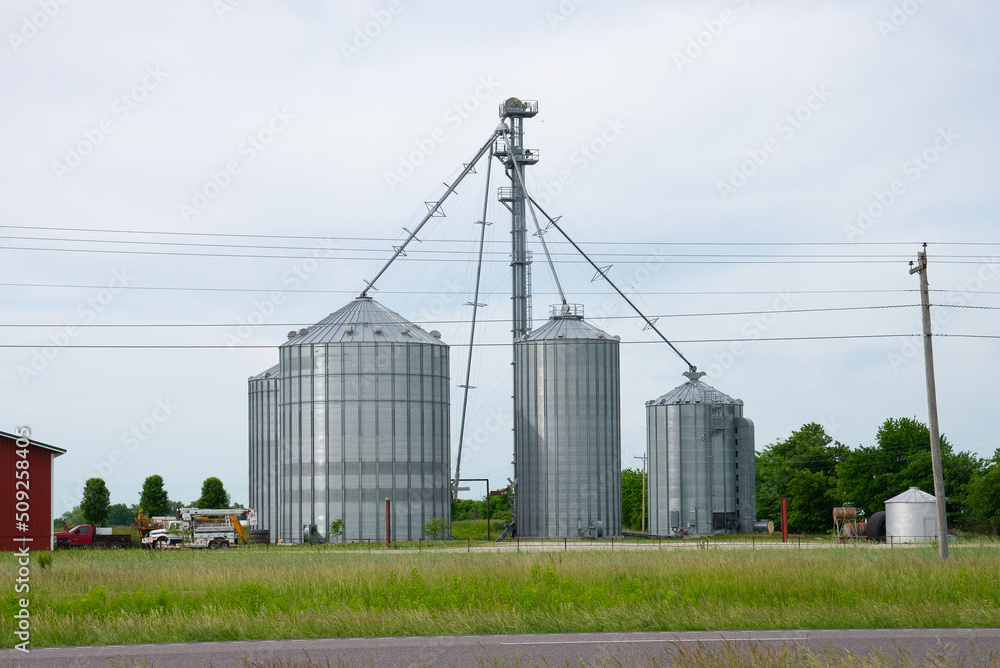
(131, 596)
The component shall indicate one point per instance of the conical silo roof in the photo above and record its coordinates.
(913, 495)
(694, 392)
(567, 325)
(270, 373)
(363, 320)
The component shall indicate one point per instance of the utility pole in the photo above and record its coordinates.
(925, 303)
(642, 522)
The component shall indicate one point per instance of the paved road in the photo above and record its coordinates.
(554, 649)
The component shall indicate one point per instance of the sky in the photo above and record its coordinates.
(208, 175)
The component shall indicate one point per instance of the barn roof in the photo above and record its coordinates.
(37, 444)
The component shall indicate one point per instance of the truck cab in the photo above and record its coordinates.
(81, 534)
(171, 534)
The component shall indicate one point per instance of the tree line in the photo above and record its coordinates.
(96, 507)
(817, 474)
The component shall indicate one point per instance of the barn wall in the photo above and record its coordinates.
(39, 481)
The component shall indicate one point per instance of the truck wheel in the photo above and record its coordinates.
(223, 544)
(161, 543)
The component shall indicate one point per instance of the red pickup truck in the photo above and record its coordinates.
(88, 534)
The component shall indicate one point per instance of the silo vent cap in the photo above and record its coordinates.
(436, 334)
(292, 334)
(303, 331)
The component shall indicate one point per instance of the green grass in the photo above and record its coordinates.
(475, 529)
(135, 596)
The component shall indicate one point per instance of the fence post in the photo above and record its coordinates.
(564, 544)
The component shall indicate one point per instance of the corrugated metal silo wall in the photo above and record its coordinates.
(264, 435)
(746, 474)
(568, 436)
(692, 467)
(362, 422)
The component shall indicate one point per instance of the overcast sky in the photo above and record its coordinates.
(664, 125)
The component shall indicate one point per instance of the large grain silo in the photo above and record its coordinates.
(911, 517)
(567, 428)
(364, 417)
(701, 461)
(265, 433)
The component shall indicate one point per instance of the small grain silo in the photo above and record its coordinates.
(364, 417)
(701, 461)
(567, 428)
(911, 517)
(265, 433)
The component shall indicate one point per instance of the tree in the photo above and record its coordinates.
(632, 500)
(120, 515)
(71, 518)
(153, 499)
(983, 498)
(437, 528)
(336, 529)
(96, 501)
(802, 468)
(901, 459)
(213, 495)
(472, 509)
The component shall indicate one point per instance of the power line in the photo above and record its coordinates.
(418, 251)
(441, 292)
(842, 337)
(457, 255)
(608, 243)
(497, 320)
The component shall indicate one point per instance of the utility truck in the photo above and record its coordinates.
(213, 528)
(170, 532)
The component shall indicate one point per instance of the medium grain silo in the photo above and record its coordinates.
(265, 433)
(365, 417)
(567, 428)
(701, 461)
(911, 517)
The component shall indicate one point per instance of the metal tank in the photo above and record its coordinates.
(265, 433)
(567, 429)
(365, 417)
(701, 461)
(911, 517)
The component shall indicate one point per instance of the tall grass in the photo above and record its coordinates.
(133, 596)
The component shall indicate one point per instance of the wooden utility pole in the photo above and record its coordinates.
(642, 522)
(925, 303)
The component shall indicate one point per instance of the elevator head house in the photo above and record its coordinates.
(26, 499)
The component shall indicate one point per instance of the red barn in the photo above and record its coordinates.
(26, 469)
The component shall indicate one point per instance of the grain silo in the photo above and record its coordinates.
(365, 417)
(567, 428)
(265, 433)
(701, 461)
(911, 517)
